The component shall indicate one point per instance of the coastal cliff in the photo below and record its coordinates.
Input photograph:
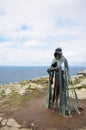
(28, 86)
(14, 95)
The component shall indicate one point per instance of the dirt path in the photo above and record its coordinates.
(35, 113)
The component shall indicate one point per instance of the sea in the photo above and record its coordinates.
(12, 74)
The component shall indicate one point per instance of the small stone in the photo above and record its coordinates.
(4, 122)
(11, 122)
(1, 118)
(32, 125)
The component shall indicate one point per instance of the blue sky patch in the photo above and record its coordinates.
(4, 39)
(24, 27)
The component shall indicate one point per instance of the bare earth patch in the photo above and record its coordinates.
(35, 112)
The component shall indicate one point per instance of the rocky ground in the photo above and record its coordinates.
(23, 106)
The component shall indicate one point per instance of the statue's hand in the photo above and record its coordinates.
(49, 70)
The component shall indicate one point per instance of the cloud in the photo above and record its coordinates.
(31, 30)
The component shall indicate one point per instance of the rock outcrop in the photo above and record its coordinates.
(11, 124)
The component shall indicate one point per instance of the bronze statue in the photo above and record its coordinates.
(58, 85)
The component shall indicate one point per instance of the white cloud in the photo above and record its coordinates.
(51, 23)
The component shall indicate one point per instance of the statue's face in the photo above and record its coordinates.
(57, 55)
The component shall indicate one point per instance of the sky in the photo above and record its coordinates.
(31, 30)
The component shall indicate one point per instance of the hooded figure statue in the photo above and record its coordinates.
(59, 92)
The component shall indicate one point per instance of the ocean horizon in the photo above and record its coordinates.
(11, 74)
